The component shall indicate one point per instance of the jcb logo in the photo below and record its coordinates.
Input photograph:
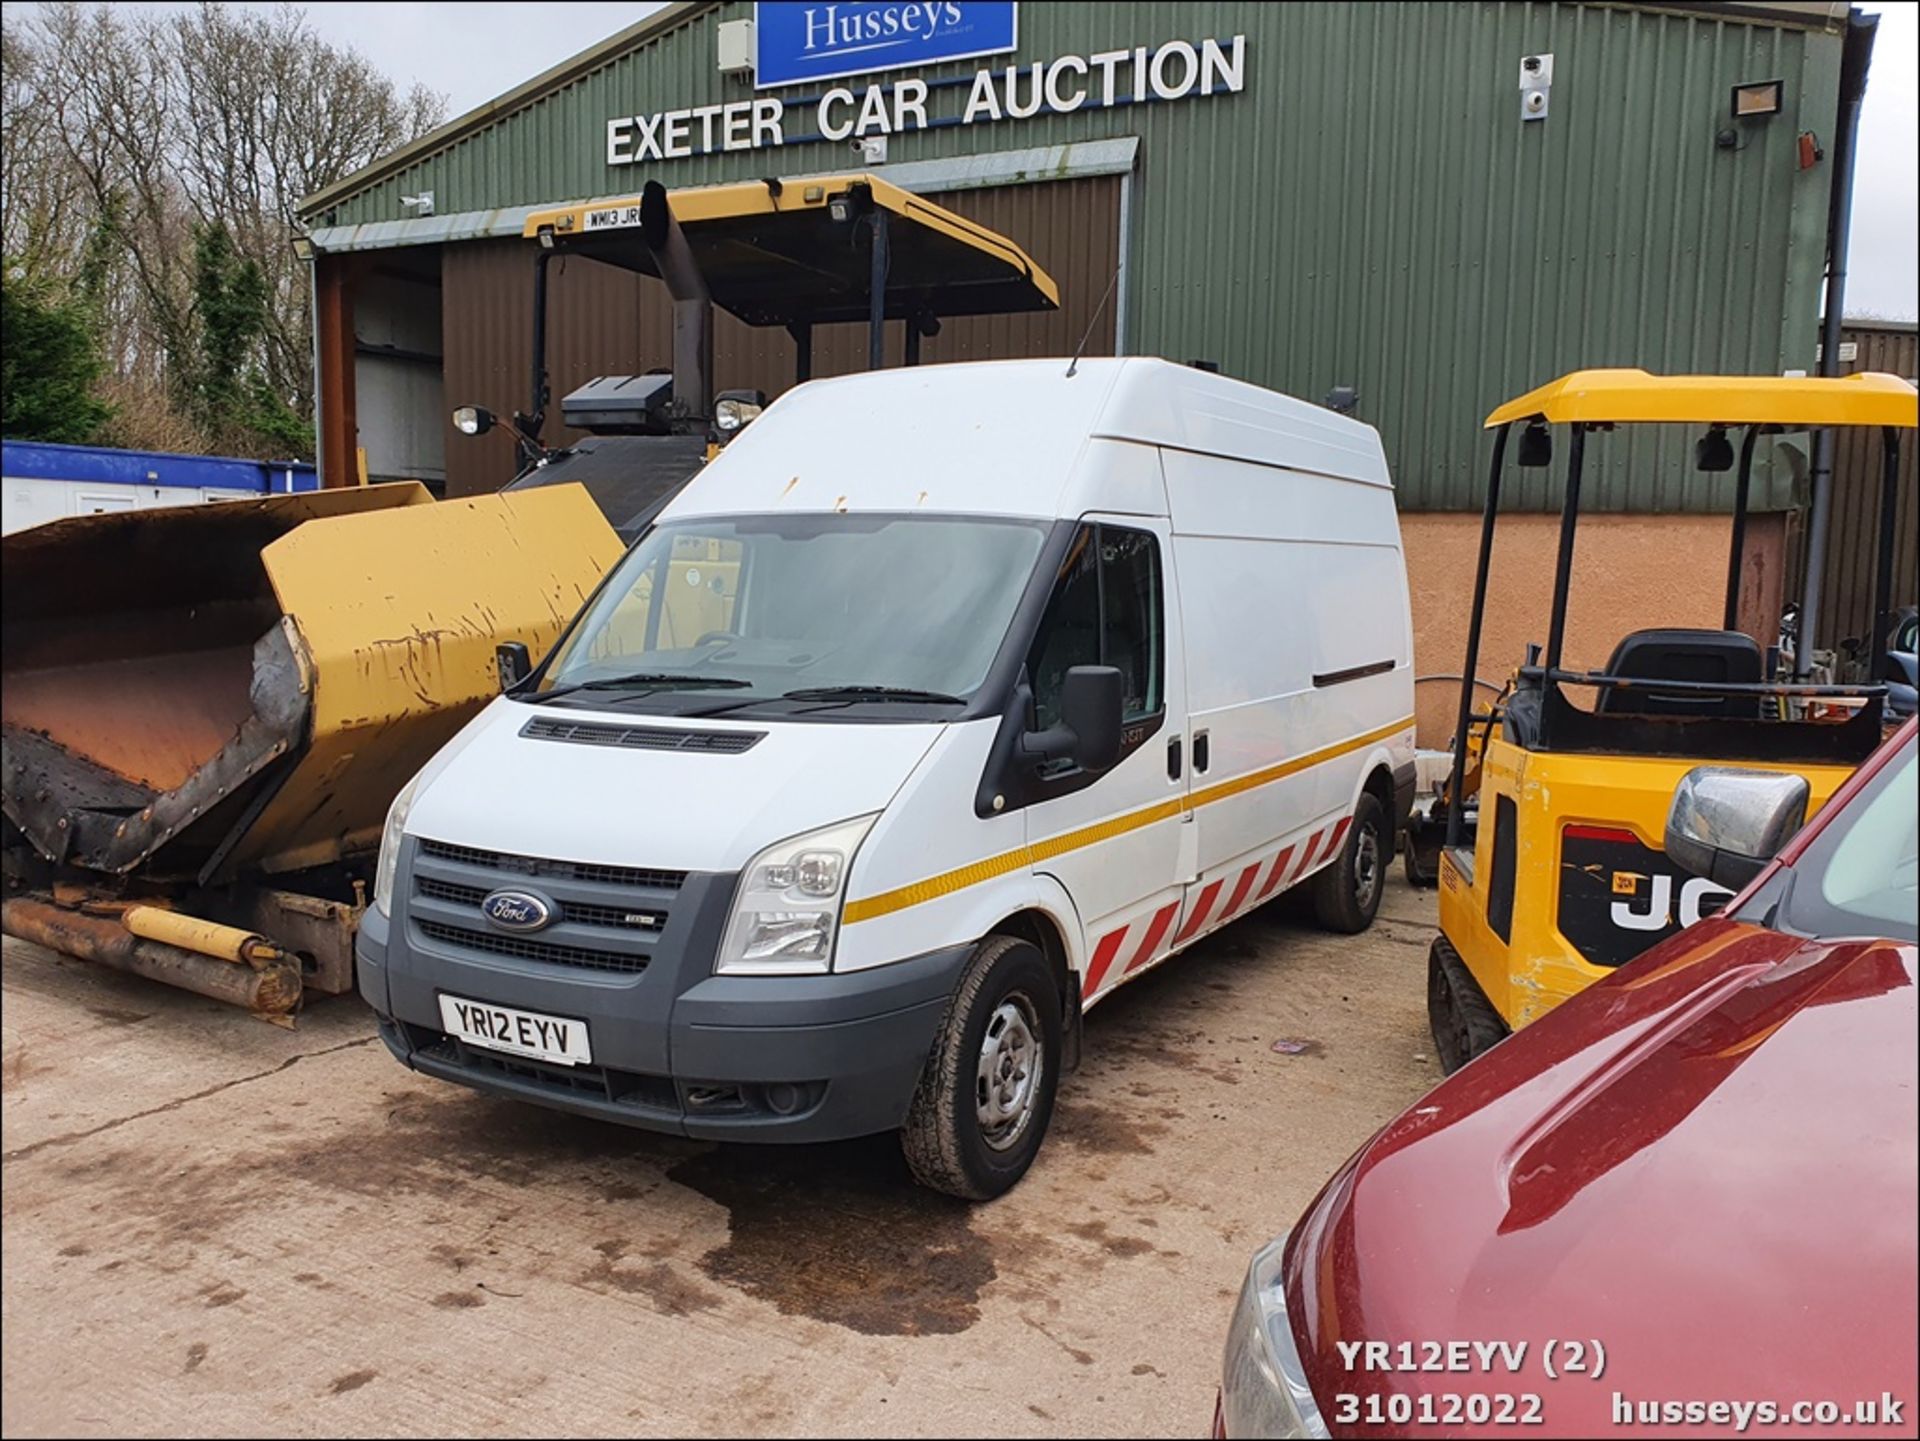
(1656, 914)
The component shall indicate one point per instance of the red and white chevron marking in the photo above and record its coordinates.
(1140, 938)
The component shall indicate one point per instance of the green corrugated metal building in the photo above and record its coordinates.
(1359, 201)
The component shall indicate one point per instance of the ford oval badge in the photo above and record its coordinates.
(517, 910)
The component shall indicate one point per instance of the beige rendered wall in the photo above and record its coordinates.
(1629, 572)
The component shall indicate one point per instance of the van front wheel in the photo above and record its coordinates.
(1346, 894)
(986, 1093)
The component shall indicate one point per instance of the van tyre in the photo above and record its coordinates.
(1346, 894)
(986, 1092)
(1463, 1020)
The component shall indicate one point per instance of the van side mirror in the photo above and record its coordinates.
(1726, 823)
(513, 662)
(1092, 702)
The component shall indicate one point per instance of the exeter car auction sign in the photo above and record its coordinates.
(801, 41)
(1176, 70)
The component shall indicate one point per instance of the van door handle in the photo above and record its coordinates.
(1200, 752)
(1173, 759)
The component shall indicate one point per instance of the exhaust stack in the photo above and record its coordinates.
(692, 305)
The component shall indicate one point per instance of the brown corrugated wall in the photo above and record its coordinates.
(1846, 604)
(607, 321)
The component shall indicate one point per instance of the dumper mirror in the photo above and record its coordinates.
(514, 663)
(1713, 452)
(1726, 823)
(1536, 447)
(1092, 702)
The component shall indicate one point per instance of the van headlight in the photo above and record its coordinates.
(390, 836)
(1263, 1386)
(787, 910)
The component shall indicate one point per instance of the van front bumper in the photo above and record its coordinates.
(746, 1058)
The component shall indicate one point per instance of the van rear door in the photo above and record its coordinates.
(1115, 840)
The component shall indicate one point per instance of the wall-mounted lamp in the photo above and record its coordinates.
(1758, 100)
(302, 247)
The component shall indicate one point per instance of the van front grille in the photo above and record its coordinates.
(527, 949)
(579, 913)
(640, 876)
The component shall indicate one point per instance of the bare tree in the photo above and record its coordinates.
(271, 116)
(127, 134)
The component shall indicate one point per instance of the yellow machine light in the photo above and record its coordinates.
(473, 420)
(731, 414)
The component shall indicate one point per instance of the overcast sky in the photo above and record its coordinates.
(473, 52)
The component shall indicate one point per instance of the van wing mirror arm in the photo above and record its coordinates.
(1092, 704)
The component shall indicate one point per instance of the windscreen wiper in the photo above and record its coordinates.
(874, 693)
(644, 680)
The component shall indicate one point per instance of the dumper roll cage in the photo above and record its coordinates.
(784, 253)
(1538, 713)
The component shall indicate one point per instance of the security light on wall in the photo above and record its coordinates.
(1757, 100)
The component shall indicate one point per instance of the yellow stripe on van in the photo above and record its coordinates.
(887, 902)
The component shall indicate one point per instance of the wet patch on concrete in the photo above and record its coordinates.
(196, 1353)
(1080, 1357)
(671, 1293)
(842, 1234)
(119, 1015)
(221, 1294)
(1096, 1126)
(352, 1381)
(445, 1146)
(1124, 1247)
(459, 1300)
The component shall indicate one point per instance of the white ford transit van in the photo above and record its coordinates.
(945, 702)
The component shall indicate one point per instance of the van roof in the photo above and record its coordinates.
(1010, 437)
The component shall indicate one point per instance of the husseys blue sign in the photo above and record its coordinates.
(801, 40)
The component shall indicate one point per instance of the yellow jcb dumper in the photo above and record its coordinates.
(1553, 871)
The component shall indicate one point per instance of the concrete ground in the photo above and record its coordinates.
(214, 1226)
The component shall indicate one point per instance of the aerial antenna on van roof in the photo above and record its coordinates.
(1098, 311)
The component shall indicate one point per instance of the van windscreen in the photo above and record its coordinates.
(765, 606)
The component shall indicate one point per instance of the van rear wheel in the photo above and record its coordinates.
(985, 1096)
(1346, 894)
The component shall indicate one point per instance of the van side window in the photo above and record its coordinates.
(1130, 615)
(1105, 610)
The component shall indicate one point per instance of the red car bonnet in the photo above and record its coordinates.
(1707, 1164)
